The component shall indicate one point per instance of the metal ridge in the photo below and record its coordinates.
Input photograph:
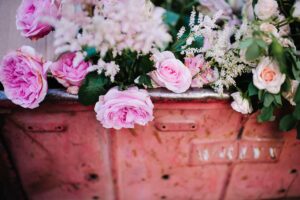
(192, 94)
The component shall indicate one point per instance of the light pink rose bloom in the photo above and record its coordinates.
(30, 14)
(171, 73)
(205, 77)
(70, 70)
(123, 109)
(23, 74)
(195, 64)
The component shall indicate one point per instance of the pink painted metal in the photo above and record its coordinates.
(192, 150)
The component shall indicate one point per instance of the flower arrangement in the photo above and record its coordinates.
(110, 53)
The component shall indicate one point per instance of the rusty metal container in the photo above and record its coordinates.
(197, 148)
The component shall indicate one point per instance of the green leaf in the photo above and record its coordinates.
(296, 70)
(261, 43)
(246, 43)
(253, 52)
(277, 52)
(298, 131)
(296, 112)
(145, 81)
(287, 123)
(266, 114)
(198, 42)
(252, 90)
(260, 94)
(278, 99)
(90, 52)
(171, 18)
(297, 96)
(94, 86)
(268, 99)
(177, 46)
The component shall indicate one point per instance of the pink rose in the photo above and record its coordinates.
(123, 109)
(205, 77)
(29, 17)
(171, 73)
(70, 70)
(195, 64)
(201, 71)
(23, 75)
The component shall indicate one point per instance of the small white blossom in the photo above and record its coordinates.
(241, 104)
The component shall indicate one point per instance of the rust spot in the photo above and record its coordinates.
(133, 133)
(293, 171)
(95, 198)
(134, 153)
(156, 135)
(163, 197)
(176, 184)
(92, 177)
(128, 165)
(244, 178)
(207, 133)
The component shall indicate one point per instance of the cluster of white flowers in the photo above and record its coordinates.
(205, 27)
(232, 66)
(113, 25)
(217, 49)
(110, 69)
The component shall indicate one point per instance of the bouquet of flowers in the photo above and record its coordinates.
(109, 53)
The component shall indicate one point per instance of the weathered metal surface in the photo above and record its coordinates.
(194, 149)
(60, 155)
(10, 187)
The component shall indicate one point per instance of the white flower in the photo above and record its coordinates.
(296, 12)
(265, 9)
(267, 76)
(241, 104)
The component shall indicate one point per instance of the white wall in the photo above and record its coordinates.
(10, 38)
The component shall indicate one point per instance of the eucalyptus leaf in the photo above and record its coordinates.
(296, 112)
(253, 52)
(268, 99)
(246, 43)
(297, 96)
(266, 114)
(252, 90)
(287, 123)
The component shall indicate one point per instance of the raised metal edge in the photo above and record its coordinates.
(163, 94)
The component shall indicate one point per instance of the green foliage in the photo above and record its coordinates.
(266, 114)
(94, 85)
(287, 123)
(255, 48)
(171, 18)
(145, 81)
(252, 90)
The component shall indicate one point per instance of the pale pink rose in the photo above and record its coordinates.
(171, 73)
(205, 77)
(195, 64)
(70, 70)
(241, 104)
(23, 74)
(265, 9)
(267, 76)
(123, 109)
(30, 14)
